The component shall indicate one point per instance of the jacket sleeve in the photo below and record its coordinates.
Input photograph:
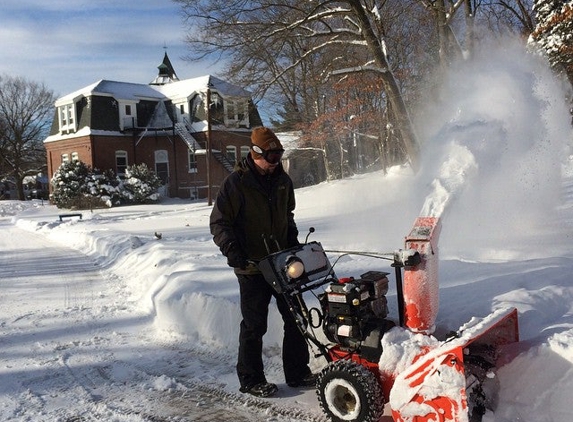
(292, 234)
(224, 213)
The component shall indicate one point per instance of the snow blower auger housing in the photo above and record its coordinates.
(452, 380)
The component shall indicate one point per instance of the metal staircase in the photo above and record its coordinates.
(222, 158)
(183, 129)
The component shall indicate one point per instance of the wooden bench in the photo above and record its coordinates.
(62, 216)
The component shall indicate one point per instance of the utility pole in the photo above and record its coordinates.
(208, 155)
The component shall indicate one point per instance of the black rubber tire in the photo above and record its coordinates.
(347, 391)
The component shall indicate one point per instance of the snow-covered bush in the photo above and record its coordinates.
(76, 186)
(106, 186)
(70, 183)
(140, 185)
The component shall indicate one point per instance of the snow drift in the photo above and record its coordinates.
(497, 171)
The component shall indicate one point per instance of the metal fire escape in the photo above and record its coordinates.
(184, 130)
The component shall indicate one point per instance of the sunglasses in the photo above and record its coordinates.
(271, 156)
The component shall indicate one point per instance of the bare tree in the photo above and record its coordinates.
(26, 109)
(444, 12)
(507, 16)
(275, 40)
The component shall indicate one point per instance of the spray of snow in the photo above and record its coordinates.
(498, 138)
(494, 145)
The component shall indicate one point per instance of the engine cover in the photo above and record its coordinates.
(354, 309)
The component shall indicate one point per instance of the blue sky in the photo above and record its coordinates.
(69, 44)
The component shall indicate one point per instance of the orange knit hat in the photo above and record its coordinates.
(265, 139)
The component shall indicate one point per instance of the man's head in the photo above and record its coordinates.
(266, 149)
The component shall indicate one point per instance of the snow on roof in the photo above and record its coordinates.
(135, 92)
(200, 84)
(118, 90)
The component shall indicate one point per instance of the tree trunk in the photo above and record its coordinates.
(393, 94)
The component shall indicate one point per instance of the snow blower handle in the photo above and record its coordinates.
(310, 231)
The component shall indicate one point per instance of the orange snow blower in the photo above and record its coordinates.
(374, 360)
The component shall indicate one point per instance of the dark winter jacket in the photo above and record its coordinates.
(253, 212)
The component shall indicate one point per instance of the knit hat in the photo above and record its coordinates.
(265, 139)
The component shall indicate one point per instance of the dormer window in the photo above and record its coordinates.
(197, 111)
(66, 118)
(128, 115)
(237, 111)
(217, 109)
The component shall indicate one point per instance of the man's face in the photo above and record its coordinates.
(265, 166)
(269, 160)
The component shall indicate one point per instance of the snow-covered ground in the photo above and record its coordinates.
(130, 314)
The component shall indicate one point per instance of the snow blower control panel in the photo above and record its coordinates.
(297, 269)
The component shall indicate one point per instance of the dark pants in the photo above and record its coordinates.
(256, 295)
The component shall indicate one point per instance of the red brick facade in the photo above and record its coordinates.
(109, 125)
(99, 152)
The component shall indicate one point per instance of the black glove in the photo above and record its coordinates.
(292, 237)
(236, 259)
(293, 242)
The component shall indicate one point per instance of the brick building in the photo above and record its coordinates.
(165, 124)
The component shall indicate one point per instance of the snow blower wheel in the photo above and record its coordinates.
(347, 391)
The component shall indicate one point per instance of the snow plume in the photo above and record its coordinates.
(493, 145)
(458, 166)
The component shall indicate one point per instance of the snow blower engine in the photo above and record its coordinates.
(354, 312)
(451, 380)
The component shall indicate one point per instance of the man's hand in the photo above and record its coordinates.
(236, 259)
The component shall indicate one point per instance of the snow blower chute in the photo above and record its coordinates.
(374, 360)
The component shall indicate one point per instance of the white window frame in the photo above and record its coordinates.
(231, 110)
(231, 153)
(121, 154)
(192, 161)
(162, 157)
(245, 149)
(234, 108)
(127, 120)
(66, 116)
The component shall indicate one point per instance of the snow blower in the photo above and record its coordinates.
(373, 360)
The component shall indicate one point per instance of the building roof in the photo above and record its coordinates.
(134, 92)
(119, 90)
(165, 86)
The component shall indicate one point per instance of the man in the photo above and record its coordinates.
(254, 210)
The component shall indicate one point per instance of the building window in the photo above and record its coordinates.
(217, 109)
(120, 162)
(65, 158)
(197, 110)
(66, 117)
(162, 165)
(231, 110)
(75, 156)
(236, 111)
(127, 115)
(245, 151)
(232, 153)
(192, 162)
(243, 111)
(182, 109)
